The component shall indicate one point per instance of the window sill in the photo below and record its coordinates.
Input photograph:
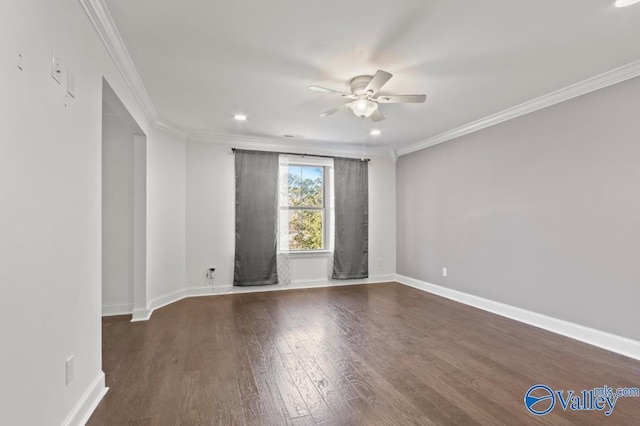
(307, 253)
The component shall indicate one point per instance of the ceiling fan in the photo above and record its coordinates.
(363, 101)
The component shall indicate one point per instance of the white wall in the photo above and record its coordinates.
(210, 213)
(165, 215)
(382, 216)
(117, 216)
(211, 221)
(50, 215)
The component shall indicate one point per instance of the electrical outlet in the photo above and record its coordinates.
(444, 272)
(69, 371)
(211, 273)
(379, 261)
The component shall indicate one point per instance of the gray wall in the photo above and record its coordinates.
(541, 212)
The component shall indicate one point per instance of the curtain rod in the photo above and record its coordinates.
(304, 155)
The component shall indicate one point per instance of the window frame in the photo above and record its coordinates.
(327, 201)
(322, 209)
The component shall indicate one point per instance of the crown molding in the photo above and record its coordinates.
(102, 21)
(592, 84)
(276, 144)
(170, 129)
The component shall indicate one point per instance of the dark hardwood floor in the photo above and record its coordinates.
(379, 354)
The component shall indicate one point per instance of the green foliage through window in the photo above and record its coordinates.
(306, 207)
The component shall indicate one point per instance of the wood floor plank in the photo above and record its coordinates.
(333, 395)
(265, 382)
(244, 371)
(365, 413)
(273, 369)
(318, 408)
(382, 354)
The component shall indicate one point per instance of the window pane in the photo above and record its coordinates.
(295, 185)
(312, 186)
(306, 186)
(312, 226)
(305, 230)
(295, 230)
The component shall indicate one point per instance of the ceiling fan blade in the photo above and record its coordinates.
(334, 110)
(377, 116)
(378, 81)
(325, 90)
(401, 99)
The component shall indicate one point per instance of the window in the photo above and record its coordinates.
(304, 204)
(306, 207)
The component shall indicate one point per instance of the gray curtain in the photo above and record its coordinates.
(256, 218)
(351, 189)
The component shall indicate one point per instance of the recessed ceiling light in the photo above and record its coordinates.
(240, 117)
(375, 132)
(625, 3)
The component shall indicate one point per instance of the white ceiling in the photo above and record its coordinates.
(201, 61)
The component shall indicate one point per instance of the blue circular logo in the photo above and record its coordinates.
(539, 400)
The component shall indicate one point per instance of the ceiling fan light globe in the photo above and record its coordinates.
(363, 107)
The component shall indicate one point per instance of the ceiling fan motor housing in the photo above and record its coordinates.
(360, 83)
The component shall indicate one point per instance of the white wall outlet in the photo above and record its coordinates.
(56, 68)
(68, 371)
(444, 272)
(379, 261)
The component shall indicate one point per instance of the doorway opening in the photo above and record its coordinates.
(124, 195)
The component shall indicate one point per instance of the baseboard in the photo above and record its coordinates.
(621, 345)
(376, 279)
(109, 310)
(206, 291)
(303, 284)
(88, 402)
(169, 298)
(141, 314)
(166, 299)
(144, 314)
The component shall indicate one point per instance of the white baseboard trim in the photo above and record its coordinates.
(140, 314)
(206, 291)
(611, 342)
(87, 403)
(167, 299)
(303, 284)
(110, 310)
